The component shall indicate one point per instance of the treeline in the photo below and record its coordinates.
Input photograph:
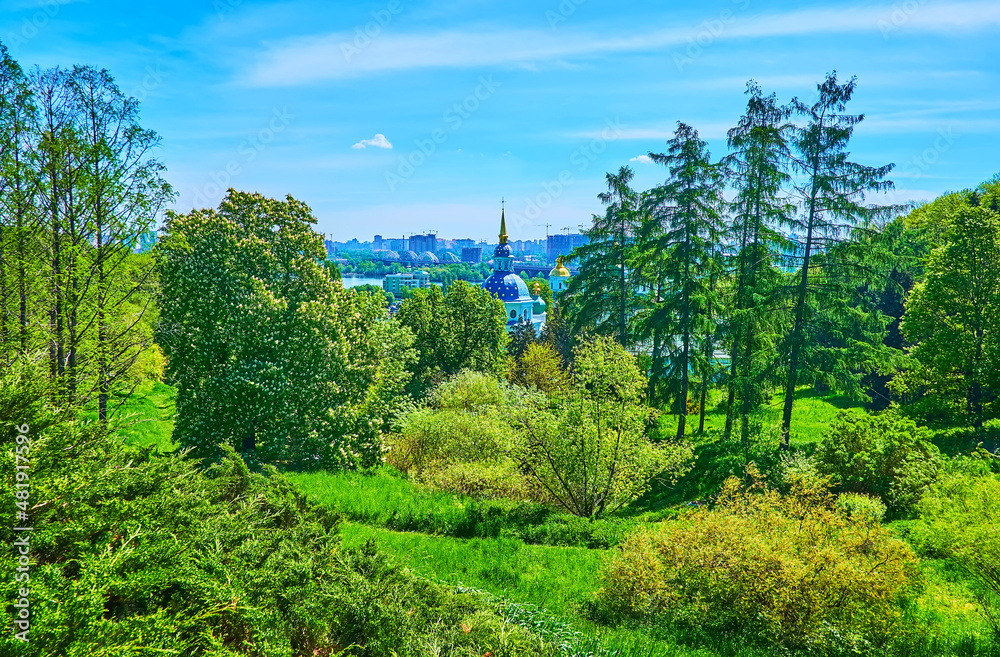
(794, 276)
(446, 273)
(79, 182)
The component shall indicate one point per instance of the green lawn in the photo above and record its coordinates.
(561, 581)
(557, 578)
(147, 417)
(812, 414)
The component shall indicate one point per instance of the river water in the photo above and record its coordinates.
(352, 280)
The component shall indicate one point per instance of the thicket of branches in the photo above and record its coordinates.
(79, 183)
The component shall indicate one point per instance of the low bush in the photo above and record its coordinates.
(463, 442)
(139, 553)
(884, 455)
(776, 569)
(960, 521)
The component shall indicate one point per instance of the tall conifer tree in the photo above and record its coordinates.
(687, 207)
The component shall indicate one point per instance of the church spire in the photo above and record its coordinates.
(503, 225)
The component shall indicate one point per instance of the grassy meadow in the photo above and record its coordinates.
(538, 561)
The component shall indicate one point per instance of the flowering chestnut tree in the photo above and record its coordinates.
(269, 354)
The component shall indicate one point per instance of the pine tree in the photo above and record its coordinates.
(758, 168)
(603, 295)
(831, 193)
(687, 207)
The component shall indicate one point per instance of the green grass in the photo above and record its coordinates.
(147, 417)
(560, 581)
(384, 498)
(374, 497)
(557, 578)
(812, 414)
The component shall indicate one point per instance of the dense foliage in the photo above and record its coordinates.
(884, 454)
(268, 353)
(793, 570)
(953, 315)
(590, 451)
(465, 328)
(135, 552)
(79, 188)
(463, 441)
(959, 520)
(578, 442)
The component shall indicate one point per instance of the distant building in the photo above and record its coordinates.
(510, 288)
(377, 244)
(397, 244)
(558, 245)
(472, 254)
(415, 279)
(464, 244)
(423, 243)
(559, 277)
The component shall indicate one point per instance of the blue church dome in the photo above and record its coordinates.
(507, 286)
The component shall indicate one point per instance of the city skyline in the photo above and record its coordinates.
(391, 114)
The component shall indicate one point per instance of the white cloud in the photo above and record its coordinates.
(378, 141)
(304, 60)
(645, 159)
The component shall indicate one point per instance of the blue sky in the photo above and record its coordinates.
(531, 101)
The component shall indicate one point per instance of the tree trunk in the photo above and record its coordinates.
(793, 363)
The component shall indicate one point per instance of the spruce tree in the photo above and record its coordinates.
(758, 170)
(602, 296)
(832, 192)
(687, 207)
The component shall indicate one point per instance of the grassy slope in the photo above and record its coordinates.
(147, 417)
(560, 579)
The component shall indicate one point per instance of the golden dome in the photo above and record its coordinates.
(560, 269)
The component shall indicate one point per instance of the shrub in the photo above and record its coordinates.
(883, 455)
(861, 508)
(463, 441)
(591, 455)
(781, 569)
(959, 520)
(140, 553)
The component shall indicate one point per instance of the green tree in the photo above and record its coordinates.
(602, 296)
(953, 315)
(591, 455)
(20, 282)
(831, 195)
(269, 354)
(521, 337)
(541, 368)
(124, 193)
(463, 329)
(80, 182)
(758, 169)
(685, 224)
(883, 454)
